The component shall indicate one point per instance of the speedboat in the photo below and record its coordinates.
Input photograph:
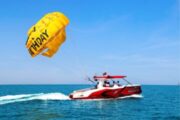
(107, 87)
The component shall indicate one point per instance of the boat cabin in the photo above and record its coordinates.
(104, 81)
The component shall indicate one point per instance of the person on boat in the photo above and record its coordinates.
(118, 83)
(97, 85)
(114, 83)
(105, 74)
(106, 84)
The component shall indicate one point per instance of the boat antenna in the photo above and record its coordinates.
(88, 78)
(127, 81)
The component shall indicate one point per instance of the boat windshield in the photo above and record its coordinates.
(107, 83)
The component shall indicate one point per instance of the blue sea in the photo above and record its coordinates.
(51, 102)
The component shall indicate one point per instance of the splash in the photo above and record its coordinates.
(47, 96)
(27, 97)
(132, 96)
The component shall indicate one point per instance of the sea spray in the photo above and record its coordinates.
(27, 97)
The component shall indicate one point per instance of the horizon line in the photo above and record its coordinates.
(89, 84)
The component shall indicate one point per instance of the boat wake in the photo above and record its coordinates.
(27, 97)
(132, 96)
(46, 96)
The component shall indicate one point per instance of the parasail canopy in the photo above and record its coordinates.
(47, 35)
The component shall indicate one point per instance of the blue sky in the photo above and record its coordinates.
(137, 38)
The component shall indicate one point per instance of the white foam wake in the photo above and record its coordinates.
(26, 97)
(46, 96)
(132, 96)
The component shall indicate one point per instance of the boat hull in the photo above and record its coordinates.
(107, 92)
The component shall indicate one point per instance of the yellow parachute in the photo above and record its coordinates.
(47, 34)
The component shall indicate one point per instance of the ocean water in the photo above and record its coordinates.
(50, 102)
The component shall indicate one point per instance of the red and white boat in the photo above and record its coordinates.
(105, 90)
